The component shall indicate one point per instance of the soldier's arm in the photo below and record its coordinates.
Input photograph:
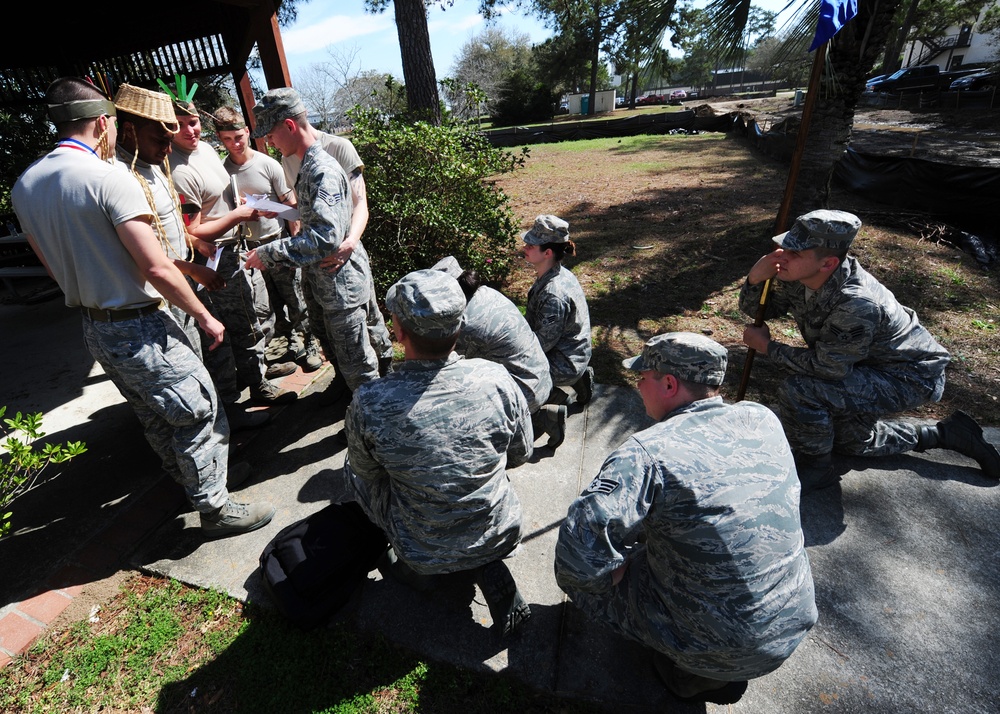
(551, 321)
(522, 445)
(845, 340)
(359, 220)
(603, 522)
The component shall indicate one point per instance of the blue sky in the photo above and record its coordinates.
(345, 24)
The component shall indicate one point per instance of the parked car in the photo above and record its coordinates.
(870, 83)
(980, 80)
(678, 94)
(563, 108)
(924, 77)
(620, 101)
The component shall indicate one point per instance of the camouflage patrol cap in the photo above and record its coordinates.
(547, 229)
(276, 105)
(429, 303)
(686, 355)
(450, 266)
(834, 230)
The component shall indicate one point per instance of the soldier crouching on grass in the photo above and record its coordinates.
(865, 356)
(428, 448)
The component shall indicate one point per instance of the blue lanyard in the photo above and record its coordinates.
(80, 146)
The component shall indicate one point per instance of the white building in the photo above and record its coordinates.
(960, 46)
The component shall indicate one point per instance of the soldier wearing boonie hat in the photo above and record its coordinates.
(557, 310)
(866, 355)
(441, 429)
(685, 355)
(698, 513)
(428, 303)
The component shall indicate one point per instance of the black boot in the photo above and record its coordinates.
(507, 607)
(815, 471)
(336, 390)
(961, 433)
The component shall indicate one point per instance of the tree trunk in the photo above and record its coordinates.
(894, 47)
(418, 63)
(595, 58)
(852, 53)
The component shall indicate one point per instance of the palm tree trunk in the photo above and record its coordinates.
(418, 63)
(852, 53)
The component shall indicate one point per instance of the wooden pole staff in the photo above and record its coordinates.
(781, 224)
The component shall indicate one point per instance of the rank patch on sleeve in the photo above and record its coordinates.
(603, 485)
(327, 197)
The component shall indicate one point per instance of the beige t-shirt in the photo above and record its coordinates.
(336, 146)
(202, 180)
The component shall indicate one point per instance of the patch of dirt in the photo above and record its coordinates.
(968, 136)
(667, 227)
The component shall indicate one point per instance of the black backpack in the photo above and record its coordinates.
(312, 567)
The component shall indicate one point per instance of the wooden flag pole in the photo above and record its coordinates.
(781, 224)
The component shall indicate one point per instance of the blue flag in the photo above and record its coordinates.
(833, 15)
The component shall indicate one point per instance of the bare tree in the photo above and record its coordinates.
(319, 93)
(486, 61)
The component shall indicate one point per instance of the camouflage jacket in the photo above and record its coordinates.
(325, 209)
(495, 330)
(710, 496)
(851, 320)
(557, 312)
(428, 447)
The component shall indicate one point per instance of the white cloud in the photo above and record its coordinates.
(454, 24)
(332, 30)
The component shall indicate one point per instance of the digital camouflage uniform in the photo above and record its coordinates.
(72, 193)
(429, 444)
(557, 312)
(345, 296)
(496, 330)
(704, 509)
(867, 356)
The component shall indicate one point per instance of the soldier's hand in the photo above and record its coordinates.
(757, 338)
(333, 263)
(214, 329)
(253, 261)
(204, 247)
(765, 268)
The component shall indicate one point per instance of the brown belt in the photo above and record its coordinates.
(119, 315)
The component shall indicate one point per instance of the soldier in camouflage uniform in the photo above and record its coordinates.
(496, 330)
(89, 222)
(689, 540)
(866, 355)
(428, 448)
(557, 309)
(324, 199)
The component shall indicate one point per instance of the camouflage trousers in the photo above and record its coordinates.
(284, 292)
(243, 308)
(822, 416)
(635, 612)
(220, 362)
(377, 339)
(152, 364)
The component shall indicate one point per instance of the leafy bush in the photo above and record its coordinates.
(21, 468)
(430, 196)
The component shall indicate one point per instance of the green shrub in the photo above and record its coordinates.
(430, 195)
(22, 466)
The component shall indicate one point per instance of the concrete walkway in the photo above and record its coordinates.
(903, 551)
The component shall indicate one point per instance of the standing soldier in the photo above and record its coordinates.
(200, 177)
(89, 222)
(345, 295)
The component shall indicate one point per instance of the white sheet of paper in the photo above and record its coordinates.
(262, 203)
(213, 262)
